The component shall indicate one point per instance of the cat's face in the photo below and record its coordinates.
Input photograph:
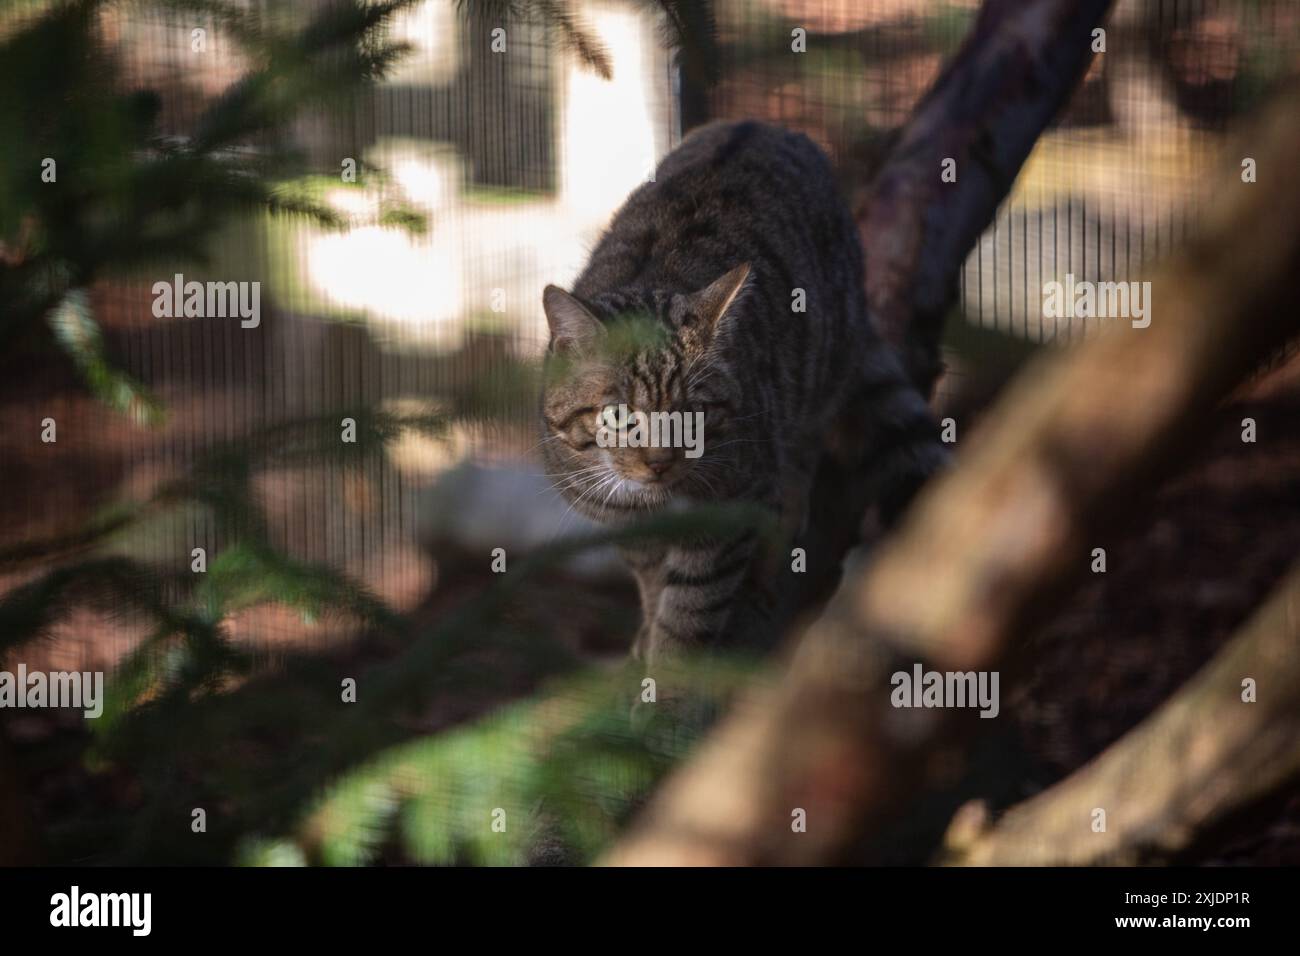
(635, 406)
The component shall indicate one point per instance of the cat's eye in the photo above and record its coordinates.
(615, 416)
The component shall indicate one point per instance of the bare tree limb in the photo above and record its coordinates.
(1205, 754)
(987, 109)
(1072, 448)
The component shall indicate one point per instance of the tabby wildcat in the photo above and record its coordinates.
(744, 263)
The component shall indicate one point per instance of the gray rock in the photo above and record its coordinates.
(474, 509)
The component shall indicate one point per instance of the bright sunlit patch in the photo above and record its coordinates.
(482, 263)
(351, 202)
(609, 135)
(384, 272)
(430, 30)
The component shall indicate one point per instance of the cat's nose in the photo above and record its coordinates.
(659, 467)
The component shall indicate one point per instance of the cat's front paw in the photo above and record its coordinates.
(641, 643)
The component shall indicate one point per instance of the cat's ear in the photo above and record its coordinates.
(712, 302)
(573, 328)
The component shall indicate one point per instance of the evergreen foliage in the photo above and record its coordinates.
(286, 771)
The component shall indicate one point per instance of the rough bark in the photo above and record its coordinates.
(1011, 76)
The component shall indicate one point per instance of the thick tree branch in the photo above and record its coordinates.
(987, 109)
(1075, 445)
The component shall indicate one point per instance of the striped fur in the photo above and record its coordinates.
(709, 256)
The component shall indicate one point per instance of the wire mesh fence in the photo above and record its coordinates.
(515, 154)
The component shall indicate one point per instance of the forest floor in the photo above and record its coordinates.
(1215, 542)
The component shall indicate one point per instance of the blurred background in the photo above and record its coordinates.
(489, 151)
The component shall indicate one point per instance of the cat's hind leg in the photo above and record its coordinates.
(885, 436)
